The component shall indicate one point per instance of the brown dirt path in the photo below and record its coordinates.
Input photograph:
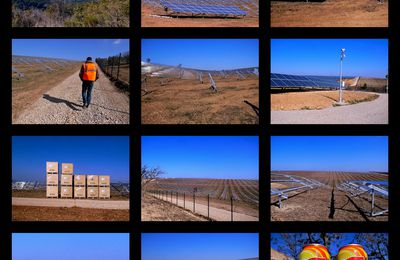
(63, 105)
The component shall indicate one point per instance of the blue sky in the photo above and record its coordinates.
(67, 246)
(108, 155)
(346, 238)
(73, 49)
(330, 153)
(199, 246)
(220, 157)
(207, 54)
(364, 57)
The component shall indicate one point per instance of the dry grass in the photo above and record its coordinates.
(316, 99)
(28, 213)
(330, 13)
(151, 17)
(124, 73)
(26, 90)
(158, 210)
(188, 101)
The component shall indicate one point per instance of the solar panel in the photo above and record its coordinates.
(204, 9)
(284, 80)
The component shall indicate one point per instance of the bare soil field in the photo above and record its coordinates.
(327, 203)
(329, 13)
(155, 17)
(187, 101)
(157, 210)
(311, 100)
(26, 90)
(245, 193)
(27, 213)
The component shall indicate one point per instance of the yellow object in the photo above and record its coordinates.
(315, 252)
(352, 252)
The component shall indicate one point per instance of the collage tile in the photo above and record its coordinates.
(260, 129)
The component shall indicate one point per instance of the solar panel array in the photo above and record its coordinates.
(204, 9)
(292, 81)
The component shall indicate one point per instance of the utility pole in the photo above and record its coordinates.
(342, 56)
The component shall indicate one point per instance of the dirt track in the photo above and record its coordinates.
(329, 13)
(63, 105)
(69, 203)
(215, 213)
(158, 210)
(372, 112)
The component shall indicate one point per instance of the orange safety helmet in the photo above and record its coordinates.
(352, 252)
(314, 252)
(89, 71)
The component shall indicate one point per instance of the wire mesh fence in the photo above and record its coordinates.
(117, 69)
(206, 206)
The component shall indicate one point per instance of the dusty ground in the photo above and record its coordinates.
(26, 90)
(158, 210)
(310, 100)
(26, 213)
(183, 101)
(42, 194)
(329, 13)
(328, 203)
(372, 112)
(154, 17)
(62, 104)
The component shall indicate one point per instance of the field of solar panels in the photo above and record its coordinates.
(32, 76)
(329, 196)
(200, 13)
(244, 193)
(176, 95)
(329, 13)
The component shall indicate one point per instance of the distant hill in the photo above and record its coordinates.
(70, 13)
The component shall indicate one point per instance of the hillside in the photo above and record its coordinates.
(275, 255)
(70, 13)
(42, 4)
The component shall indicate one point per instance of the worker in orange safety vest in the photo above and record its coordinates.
(89, 74)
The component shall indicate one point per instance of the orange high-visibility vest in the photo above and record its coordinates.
(89, 71)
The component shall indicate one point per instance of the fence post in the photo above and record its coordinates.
(184, 200)
(176, 198)
(194, 202)
(112, 66)
(171, 196)
(208, 205)
(231, 208)
(108, 62)
(119, 63)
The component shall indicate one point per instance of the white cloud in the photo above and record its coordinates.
(118, 41)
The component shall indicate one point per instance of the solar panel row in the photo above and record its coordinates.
(284, 80)
(204, 9)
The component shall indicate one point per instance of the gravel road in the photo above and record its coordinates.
(68, 203)
(63, 105)
(373, 112)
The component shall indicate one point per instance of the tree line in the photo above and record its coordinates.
(67, 13)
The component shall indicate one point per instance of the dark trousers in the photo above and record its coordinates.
(87, 87)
